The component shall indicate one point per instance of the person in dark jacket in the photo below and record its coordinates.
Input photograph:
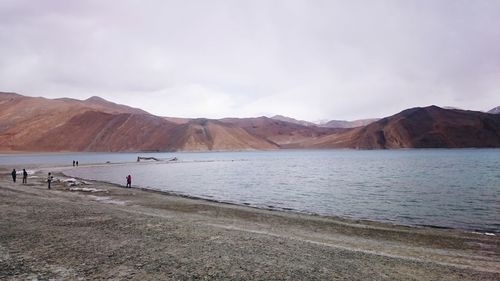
(49, 179)
(14, 175)
(25, 176)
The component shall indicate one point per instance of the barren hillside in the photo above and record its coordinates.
(40, 124)
(428, 127)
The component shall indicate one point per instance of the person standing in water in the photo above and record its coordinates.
(129, 181)
(25, 176)
(49, 179)
(14, 175)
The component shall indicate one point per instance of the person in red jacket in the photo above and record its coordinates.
(129, 181)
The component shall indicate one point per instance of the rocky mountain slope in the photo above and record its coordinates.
(24, 119)
(39, 124)
(282, 133)
(428, 127)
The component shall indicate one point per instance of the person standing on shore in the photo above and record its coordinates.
(14, 175)
(49, 179)
(77, 163)
(25, 176)
(73, 163)
(129, 181)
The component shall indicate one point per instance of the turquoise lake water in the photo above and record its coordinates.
(449, 188)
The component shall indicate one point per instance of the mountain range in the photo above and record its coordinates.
(35, 124)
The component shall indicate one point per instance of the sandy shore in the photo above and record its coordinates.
(119, 233)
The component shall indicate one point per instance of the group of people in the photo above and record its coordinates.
(75, 163)
(50, 178)
(25, 176)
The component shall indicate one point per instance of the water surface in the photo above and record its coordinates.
(452, 188)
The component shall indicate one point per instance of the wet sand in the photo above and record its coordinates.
(118, 233)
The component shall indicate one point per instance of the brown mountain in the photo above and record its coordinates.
(428, 127)
(25, 119)
(107, 106)
(100, 131)
(39, 124)
(283, 134)
(205, 134)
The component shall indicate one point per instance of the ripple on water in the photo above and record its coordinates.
(393, 186)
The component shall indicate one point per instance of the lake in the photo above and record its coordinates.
(449, 188)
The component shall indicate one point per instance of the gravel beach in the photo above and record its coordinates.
(103, 231)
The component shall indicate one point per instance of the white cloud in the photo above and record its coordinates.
(306, 59)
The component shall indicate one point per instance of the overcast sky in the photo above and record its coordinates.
(304, 59)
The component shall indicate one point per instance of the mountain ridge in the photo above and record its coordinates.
(422, 127)
(36, 124)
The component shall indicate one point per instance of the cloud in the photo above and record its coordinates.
(306, 59)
